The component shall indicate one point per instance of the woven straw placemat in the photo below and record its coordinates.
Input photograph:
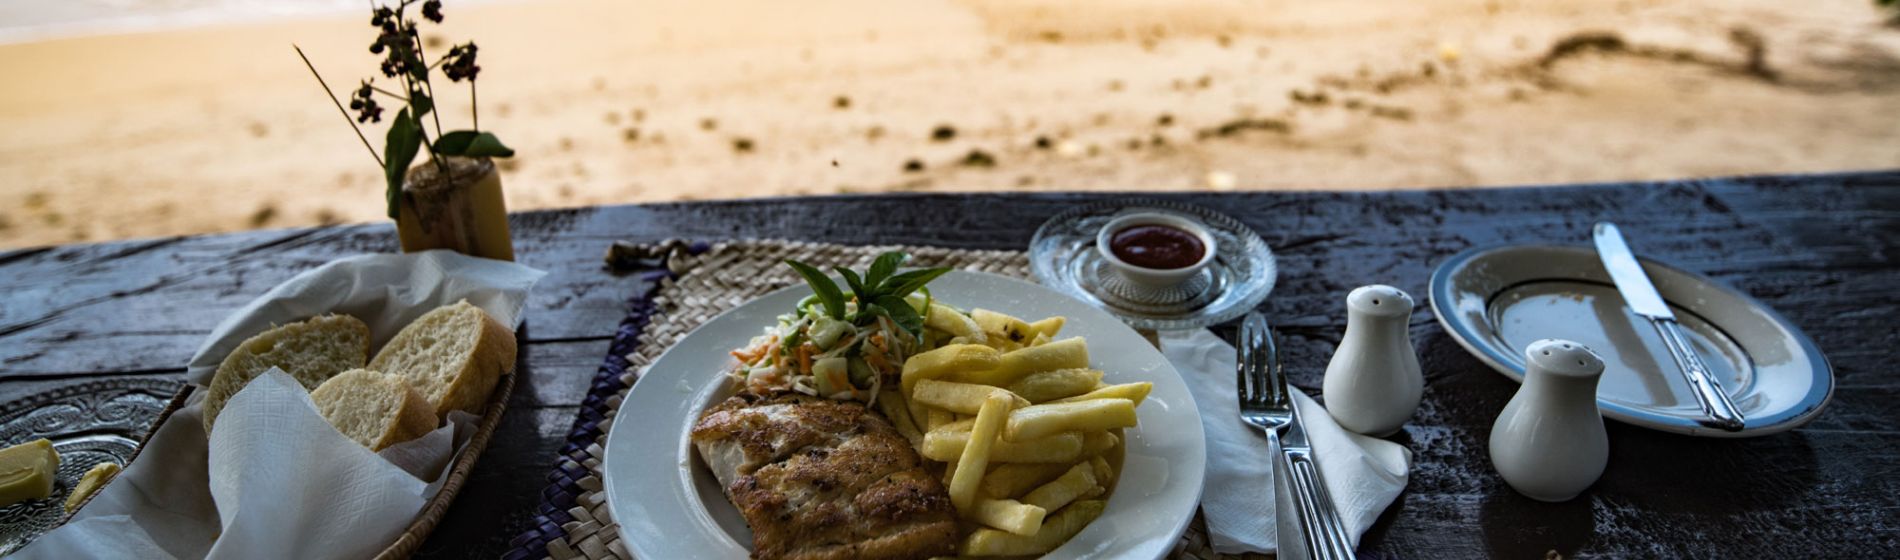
(692, 284)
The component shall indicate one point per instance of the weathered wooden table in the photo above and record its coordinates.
(1821, 249)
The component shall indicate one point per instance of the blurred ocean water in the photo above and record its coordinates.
(33, 20)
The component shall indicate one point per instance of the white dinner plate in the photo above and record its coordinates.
(669, 506)
(1496, 301)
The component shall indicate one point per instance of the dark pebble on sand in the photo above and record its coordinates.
(263, 215)
(979, 158)
(631, 134)
(1238, 126)
(1317, 97)
(1394, 113)
(943, 133)
(841, 102)
(742, 145)
(913, 166)
(1164, 120)
(708, 124)
(1044, 143)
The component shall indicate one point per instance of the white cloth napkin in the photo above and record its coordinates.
(1364, 474)
(275, 480)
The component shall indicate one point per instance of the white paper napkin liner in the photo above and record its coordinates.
(1363, 474)
(386, 291)
(278, 464)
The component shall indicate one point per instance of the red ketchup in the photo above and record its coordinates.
(1156, 246)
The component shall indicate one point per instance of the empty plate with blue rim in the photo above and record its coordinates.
(1065, 257)
(1496, 301)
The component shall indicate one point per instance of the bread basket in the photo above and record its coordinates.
(436, 507)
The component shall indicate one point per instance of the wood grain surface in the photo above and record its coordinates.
(1820, 249)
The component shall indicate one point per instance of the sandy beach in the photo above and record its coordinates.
(220, 128)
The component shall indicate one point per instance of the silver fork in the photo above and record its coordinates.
(1265, 403)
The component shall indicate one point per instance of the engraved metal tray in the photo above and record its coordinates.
(89, 423)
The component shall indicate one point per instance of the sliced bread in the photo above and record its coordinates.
(312, 351)
(454, 355)
(374, 408)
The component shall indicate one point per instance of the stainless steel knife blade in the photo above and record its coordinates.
(1628, 274)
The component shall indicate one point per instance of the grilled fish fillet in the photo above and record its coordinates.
(819, 479)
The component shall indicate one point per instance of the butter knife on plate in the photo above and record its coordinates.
(1641, 296)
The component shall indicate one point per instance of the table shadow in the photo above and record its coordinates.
(500, 499)
(1708, 477)
(1519, 527)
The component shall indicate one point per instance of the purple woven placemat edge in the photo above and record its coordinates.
(563, 478)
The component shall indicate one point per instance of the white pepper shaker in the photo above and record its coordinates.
(1373, 383)
(1549, 443)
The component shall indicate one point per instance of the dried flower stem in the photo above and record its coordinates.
(339, 105)
(473, 114)
(392, 94)
(423, 56)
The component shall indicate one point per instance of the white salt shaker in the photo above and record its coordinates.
(1549, 442)
(1373, 383)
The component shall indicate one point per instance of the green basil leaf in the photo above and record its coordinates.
(900, 312)
(882, 268)
(487, 145)
(903, 284)
(857, 284)
(399, 148)
(828, 293)
(454, 143)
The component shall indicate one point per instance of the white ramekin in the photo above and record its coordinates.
(1154, 277)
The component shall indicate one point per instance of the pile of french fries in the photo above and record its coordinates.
(1020, 423)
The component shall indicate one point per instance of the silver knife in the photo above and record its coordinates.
(1642, 298)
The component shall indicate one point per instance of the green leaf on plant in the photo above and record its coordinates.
(418, 70)
(487, 145)
(454, 143)
(420, 104)
(399, 148)
(471, 144)
(828, 293)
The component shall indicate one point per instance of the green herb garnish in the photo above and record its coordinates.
(880, 291)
